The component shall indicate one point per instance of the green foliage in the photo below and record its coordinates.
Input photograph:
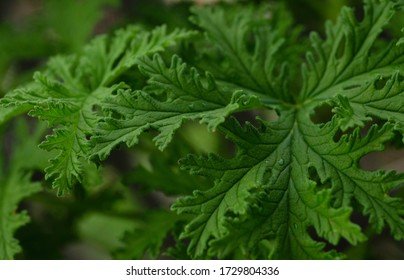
(15, 185)
(67, 96)
(186, 99)
(291, 186)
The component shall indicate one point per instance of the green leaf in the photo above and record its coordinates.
(184, 97)
(12, 191)
(347, 58)
(254, 68)
(280, 168)
(381, 98)
(67, 96)
(16, 185)
(269, 192)
(291, 187)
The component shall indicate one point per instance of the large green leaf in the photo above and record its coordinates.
(67, 96)
(269, 191)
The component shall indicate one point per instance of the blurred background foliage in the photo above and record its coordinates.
(104, 218)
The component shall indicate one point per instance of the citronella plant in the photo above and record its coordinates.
(293, 183)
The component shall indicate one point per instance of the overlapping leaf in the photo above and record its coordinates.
(348, 57)
(292, 182)
(68, 94)
(245, 65)
(267, 194)
(369, 101)
(184, 97)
